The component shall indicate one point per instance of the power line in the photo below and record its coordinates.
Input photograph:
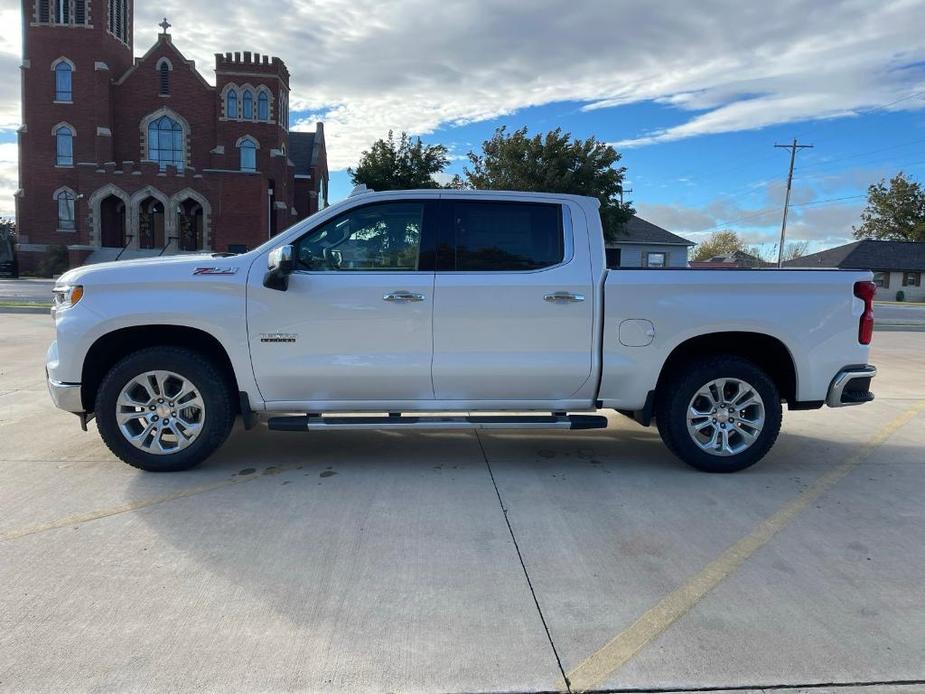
(820, 170)
(773, 210)
(813, 203)
(855, 155)
(794, 148)
(863, 111)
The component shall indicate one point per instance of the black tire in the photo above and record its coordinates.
(212, 385)
(679, 388)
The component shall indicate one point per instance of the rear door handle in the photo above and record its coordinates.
(564, 297)
(402, 297)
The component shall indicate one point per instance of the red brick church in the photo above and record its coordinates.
(131, 158)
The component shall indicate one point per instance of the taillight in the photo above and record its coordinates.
(866, 291)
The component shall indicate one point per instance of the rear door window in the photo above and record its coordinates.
(505, 236)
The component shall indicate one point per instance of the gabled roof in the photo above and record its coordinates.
(895, 256)
(638, 230)
(302, 151)
(165, 42)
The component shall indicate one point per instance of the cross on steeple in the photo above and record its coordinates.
(165, 25)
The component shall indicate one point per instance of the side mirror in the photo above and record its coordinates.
(279, 267)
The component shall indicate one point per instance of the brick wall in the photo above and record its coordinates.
(112, 97)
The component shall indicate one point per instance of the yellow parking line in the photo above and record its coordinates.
(129, 506)
(597, 668)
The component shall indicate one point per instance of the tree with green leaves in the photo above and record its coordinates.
(895, 212)
(720, 243)
(553, 163)
(7, 230)
(402, 165)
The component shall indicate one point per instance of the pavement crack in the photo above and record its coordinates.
(523, 565)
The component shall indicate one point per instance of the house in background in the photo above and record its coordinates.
(897, 265)
(643, 244)
(736, 259)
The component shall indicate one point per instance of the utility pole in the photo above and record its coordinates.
(783, 227)
(622, 191)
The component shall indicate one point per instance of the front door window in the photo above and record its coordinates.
(377, 237)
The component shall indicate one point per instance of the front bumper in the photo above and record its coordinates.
(851, 386)
(66, 396)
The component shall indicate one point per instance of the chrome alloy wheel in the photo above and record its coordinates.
(725, 416)
(160, 412)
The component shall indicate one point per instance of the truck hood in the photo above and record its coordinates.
(154, 269)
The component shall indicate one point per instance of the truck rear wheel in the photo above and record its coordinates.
(719, 414)
(164, 409)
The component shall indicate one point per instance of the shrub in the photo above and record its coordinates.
(900, 295)
(55, 261)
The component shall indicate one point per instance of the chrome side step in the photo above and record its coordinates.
(394, 421)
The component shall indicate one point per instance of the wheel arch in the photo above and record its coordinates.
(767, 352)
(113, 346)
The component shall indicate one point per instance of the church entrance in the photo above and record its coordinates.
(191, 225)
(151, 224)
(112, 222)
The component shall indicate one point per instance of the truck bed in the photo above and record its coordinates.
(649, 313)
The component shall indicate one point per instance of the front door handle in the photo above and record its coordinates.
(402, 297)
(564, 297)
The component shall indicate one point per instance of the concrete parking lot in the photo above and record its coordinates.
(456, 562)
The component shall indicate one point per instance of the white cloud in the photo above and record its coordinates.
(365, 66)
(9, 177)
(827, 220)
(10, 60)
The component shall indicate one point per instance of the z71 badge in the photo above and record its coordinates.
(215, 270)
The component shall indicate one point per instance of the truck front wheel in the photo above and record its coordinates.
(719, 414)
(164, 409)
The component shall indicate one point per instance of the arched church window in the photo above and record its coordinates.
(248, 154)
(66, 218)
(263, 106)
(63, 81)
(164, 70)
(231, 104)
(248, 101)
(64, 146)
(166, 142)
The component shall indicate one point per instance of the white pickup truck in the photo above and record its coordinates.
(418, 304)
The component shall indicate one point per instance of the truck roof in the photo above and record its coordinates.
(365, 192)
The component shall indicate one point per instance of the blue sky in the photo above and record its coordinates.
(730, 180)
(693, 94)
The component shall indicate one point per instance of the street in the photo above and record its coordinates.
(460, 562)
(26, 290)
(899, 313)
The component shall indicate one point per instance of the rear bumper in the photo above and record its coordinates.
(851, 386)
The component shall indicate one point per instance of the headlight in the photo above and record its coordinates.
(67, 295)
